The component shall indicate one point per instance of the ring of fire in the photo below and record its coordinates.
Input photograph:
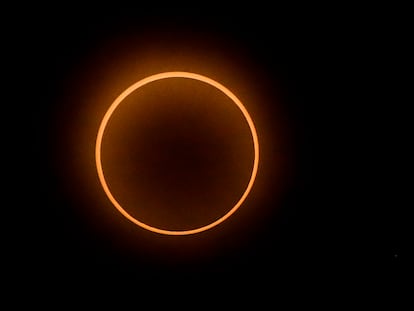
(118, 101)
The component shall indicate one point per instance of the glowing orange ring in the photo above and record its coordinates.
(135, 86)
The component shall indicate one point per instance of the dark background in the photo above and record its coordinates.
(326, 229)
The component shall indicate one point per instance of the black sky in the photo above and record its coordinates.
(322, 227)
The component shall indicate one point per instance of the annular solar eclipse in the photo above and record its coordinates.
(175, 75)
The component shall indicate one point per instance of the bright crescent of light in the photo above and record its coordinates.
(137, 85)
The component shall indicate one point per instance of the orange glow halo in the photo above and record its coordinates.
(137, 85)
